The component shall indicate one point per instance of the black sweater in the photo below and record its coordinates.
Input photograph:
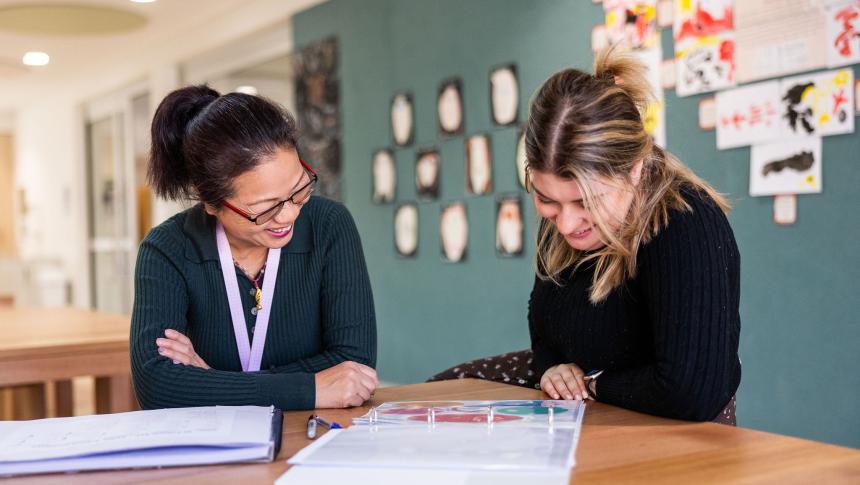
(667, 338)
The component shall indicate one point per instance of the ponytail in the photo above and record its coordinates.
(627, 73)
(168, 171)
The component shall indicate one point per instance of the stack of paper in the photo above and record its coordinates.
(470, 440)
(157, 438)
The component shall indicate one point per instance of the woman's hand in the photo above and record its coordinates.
(344, 385)
(564, 380)
(179, 348)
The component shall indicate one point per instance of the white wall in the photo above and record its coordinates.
(49, 167)
(49, 136)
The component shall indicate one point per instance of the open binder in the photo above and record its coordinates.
(141, 439)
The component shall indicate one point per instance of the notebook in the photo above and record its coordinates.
(141, 439)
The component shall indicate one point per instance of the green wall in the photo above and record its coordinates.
(800, 341)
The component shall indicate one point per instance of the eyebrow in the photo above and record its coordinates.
(272, 199)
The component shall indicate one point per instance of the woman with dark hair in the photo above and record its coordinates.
(638, 273)
(259, 294)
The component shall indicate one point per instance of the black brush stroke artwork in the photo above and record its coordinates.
(795, 113)
(800, 162)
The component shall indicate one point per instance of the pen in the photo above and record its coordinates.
(315, 420)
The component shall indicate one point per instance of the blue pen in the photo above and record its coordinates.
(315, 420)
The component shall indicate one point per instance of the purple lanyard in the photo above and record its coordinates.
(249, 355)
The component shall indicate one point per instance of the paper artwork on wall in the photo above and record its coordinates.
(384, 177)
(406, 229)
(427, 167)
(785, 209)
(504, 95)
(520, 159)
(786, 167)
(631, 23)
(843, 33)
(654, 116)
(599, 38)
(707, 114)
(749, 115)
(701, 18)
(318, 112)
(402, 119)
(665, 13)
(449, 107)
(857, 96)
(509, 226)
(454, 232)
(775, 38)
(819, 104)
(668, 74)
(705, 64)
(704, 45)
(479, 165)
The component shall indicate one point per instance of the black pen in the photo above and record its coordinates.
(315, 420)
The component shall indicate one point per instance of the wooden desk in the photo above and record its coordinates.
(56, 344)
(616, 446)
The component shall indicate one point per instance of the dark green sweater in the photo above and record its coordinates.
(322, 313)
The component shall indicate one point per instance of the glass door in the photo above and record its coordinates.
(120, 202)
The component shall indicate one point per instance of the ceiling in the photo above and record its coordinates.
(120, 41)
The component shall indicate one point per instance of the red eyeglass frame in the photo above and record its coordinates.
(279, 205)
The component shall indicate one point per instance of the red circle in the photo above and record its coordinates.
(467, 418)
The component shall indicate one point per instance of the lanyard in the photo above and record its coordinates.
(250, 355)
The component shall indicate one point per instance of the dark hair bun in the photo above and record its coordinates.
(168, 168)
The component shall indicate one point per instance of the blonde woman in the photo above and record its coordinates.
(638, 272)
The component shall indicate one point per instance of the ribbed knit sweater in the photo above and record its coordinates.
(322, 312)
(667, 339)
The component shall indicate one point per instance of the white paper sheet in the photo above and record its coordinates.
(786, 167)
(705, 64)
(311, 475)
(749, 115)
(778, 37)
(843, 33)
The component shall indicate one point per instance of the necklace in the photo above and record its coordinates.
(258, 293)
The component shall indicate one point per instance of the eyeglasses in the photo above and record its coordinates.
(298, 198)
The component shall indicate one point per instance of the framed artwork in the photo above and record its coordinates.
(509, 226)
(402, 119)
(479, 165)
(449, 107)
(427, 167)
(454, 232)
(504, 95)
(406, 229)
(384, 177)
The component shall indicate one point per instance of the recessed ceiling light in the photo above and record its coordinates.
(36, 59)
(142, 1)
(247, 90)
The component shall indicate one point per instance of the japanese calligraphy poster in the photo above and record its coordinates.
(786, 167)
(820, 104)
(749, 115)
(705, 64)
(632, 23)
(843, 33)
